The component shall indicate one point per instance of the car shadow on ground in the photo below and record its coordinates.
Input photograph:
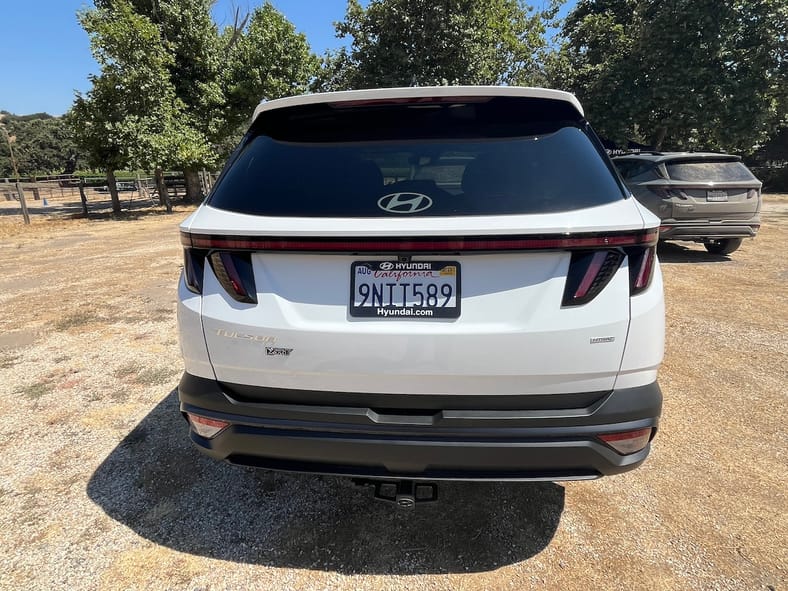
(155, 483)
(672, 252)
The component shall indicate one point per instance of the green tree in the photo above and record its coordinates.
(268, 59)
(218, 78)
(42, 145)
(428, 42)
(131, 116)
(678, 73)
(190, 39)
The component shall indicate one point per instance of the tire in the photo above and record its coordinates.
(724, 246)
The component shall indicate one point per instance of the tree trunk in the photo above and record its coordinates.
(161, 187)
(659, 137)
(193, 187)
(113, 191)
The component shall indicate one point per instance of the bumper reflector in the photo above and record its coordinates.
(628, 442)
(205, 427)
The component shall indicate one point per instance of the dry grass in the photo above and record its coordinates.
(75, 320)
(100, 489)
(35, 390)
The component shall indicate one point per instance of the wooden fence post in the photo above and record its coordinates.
(83, 197)
(25, 213)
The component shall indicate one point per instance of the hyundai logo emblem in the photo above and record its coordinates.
(404, 202)
(386, 266)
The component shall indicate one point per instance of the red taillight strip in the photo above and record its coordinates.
(646, 267)
(232, 274)
(593, 270)
(450, 244)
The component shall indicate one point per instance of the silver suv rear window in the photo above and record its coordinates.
(491, 157)
(709, 171)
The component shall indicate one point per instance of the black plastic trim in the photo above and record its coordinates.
(260, 394)
(468, 444)
(704, 231)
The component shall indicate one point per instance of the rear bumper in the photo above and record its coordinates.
(422, 437)
(700, 232)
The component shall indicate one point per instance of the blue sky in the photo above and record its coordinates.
(46, 54)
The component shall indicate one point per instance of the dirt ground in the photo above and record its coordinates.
(100, 489)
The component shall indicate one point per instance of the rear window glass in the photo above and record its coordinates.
(632, 168)
(476, 158)
(709, 171)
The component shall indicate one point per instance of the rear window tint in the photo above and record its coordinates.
(632, 168)
(491, 158)
(709, 171)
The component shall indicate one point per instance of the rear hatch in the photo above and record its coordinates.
(712, 189)
(453, 247)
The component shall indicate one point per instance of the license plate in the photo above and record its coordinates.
(716, 195)
(392, 289)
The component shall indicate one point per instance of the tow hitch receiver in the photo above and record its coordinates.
(403, 493)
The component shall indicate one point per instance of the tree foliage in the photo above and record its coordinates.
(120, 111)
(428, 42)
(132, 115)
(269, 60)
(42, 145)
(216, 78)
(697, 74)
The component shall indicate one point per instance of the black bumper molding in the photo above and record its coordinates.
(520, 438)
(700, 232)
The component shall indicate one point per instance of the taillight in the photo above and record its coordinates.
(193, 268)
(641, 267)
(205, 427)
(235, 274)
(668, 194)
(752, 194)
(427, 244)
(589, 273)
(628, 442)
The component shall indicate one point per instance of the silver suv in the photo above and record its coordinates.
(702, 197)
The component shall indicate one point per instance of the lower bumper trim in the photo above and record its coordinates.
(355, 471)
(707, 232)
(471, 445)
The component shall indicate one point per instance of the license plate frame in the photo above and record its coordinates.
(716, 196)
(409, 279)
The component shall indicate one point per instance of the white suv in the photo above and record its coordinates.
(422, 283)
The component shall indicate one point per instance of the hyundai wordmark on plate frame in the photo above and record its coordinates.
(422, 284)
